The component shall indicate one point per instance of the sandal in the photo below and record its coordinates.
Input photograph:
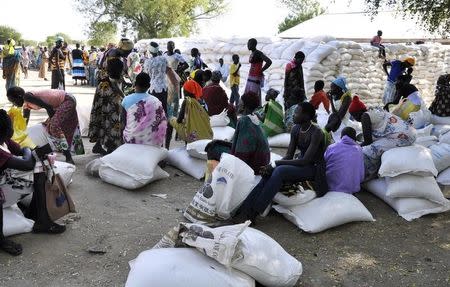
(10, 247)
(99, 150)
(52, 229)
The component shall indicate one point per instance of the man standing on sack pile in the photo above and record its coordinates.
(397, 69)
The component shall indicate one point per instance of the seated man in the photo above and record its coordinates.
(320, 97)
(143, 116)
(345, 164)
(12, 157)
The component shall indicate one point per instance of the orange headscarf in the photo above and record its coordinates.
(194, 88)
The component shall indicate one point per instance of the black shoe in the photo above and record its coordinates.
(10, 247)
(53, 228)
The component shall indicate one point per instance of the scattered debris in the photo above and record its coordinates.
(160, 195)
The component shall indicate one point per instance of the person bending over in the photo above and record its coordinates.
(62, 123)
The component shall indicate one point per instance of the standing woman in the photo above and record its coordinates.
(43, 64)
(255, 80)
(62, 123)
(293, 81)
(11, 63)
(25, 61)
(78, 72)
(105, 126)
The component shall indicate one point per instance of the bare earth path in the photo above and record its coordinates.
(388, 252)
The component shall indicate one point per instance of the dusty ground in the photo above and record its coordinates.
(388, 252)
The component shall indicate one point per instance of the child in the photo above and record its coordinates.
(376, 42)
(235, 80)
(320, 96)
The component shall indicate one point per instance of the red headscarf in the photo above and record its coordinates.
(356, 105)
(194, 88)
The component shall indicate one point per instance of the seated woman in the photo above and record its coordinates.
(193, 122)
(309, 165)
(12, 157)
(62, 124)
(249, 142)
(143, 115)
(382, 131)
(407, 99)
(340, 98)
(272, 116)
(441, 103)
(216, 99)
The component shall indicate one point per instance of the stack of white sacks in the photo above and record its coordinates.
(326, 58)
(407, 182)
(228, 256)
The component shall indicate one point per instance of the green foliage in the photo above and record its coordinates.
(50, 40)
(433, 15)
(102, 33)
(8, 32)
(149, 18)
(300, 11)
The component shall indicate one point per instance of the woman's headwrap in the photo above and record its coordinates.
(410, 60)
(194, 88)
(8, 49)
(357, 106)
(153, 48)
(341, 83)
(125, 45)
(59, 39)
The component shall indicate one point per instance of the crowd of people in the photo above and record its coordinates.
(137, 102)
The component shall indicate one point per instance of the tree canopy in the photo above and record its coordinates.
(7, 32)
(50, 40)
(433, 15)
(300, 11)
(102, 33)
(149, 18)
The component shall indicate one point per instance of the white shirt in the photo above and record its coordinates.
(156, 68)
(224, 70)
(174, 60)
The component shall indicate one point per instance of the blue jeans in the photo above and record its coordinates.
(264, 192)
(234, 98)
(92, 80)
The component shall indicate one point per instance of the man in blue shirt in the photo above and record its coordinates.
(397, 69)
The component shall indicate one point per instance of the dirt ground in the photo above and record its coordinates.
(387, 252)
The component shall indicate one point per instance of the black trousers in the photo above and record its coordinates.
(58, 77)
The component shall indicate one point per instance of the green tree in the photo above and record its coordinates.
(50, 40)
(102, 33)
(152, 19)
(433, 15)
(300, 11)
(7, 32)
